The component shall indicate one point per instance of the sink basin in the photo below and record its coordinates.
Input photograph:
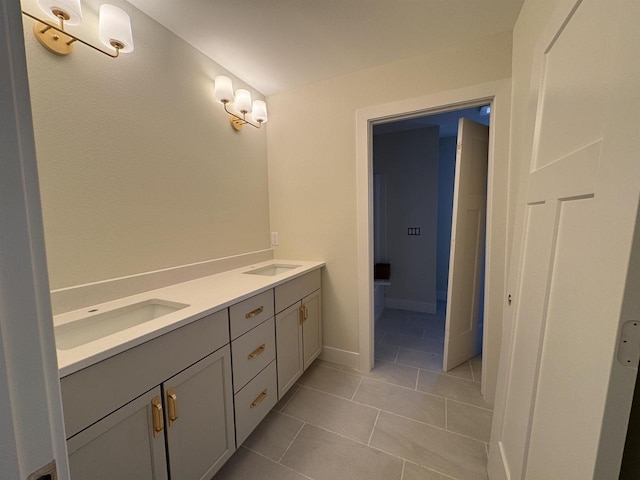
(99, 325)
(271, 270)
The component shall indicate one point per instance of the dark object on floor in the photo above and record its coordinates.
(382, 271)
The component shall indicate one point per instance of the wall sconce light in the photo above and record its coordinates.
(114, 27)
(223, 93)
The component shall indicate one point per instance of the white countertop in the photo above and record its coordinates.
(203, 296)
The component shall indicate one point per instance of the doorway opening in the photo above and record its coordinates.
(414, 172)
(498, 224)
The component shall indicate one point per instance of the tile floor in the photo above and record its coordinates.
(404, 420)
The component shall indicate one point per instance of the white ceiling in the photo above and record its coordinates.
(276, 45)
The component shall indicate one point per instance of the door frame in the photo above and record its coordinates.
(31, 421)
(498, 95)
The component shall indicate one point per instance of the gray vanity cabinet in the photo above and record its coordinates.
(123, 445)
(298, 327)
(117, 431)
(199, 417)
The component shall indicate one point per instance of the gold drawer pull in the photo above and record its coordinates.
(259, 399)
(257, 351)
(255, 312)
(172, 402)
(158, 422)
(306, 312)
(301, 315)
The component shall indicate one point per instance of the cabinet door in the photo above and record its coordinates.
(199, 417)
(311, 327)
(122, 445)
(289, 347)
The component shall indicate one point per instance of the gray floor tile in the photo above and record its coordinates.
(274, 435)
(325, 364)
(331, 381)
(287, 396)
(245, 465)
(416, 358)
(476, 367)
(401, 327)
(432, 447)
(469, 420)
(386, 352)
(403, 401)
(416, 472)
(455, 388)
(323, 455)
(414, 343)
(336, 414)
(391, 373)
(462, 371)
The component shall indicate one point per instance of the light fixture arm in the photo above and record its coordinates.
(239, 121)
(47, 26)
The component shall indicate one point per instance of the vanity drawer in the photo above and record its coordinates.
(254, 401)
(252, 352)
(250, 313)
(290, 292)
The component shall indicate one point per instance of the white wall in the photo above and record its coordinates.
(139, 167)
(409, 161)
(312, 169)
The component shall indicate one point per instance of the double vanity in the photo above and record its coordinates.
(167, 384)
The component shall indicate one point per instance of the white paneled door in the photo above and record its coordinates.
(564, 396)
(464, 317)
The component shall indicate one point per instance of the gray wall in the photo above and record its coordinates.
(409, 161)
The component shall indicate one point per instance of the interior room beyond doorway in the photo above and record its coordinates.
(413, 190)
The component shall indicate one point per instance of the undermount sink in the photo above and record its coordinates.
(99, 325)
(271, 270)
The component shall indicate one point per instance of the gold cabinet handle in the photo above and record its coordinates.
(259, 399)
(255, 312)
(172, 403)
(158, 422)
(306, 312)
(301, 315)
(257, 351)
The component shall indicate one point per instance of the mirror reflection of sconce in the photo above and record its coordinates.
(241, 100)
(114, 27)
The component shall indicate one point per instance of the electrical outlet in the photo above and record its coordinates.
(275, 238)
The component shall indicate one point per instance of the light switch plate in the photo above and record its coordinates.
(275, 238)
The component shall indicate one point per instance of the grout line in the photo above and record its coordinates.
(408, 388)
(291, 443)
(417, 380)
(404, 462)
(486, 447)
(356, 390)
(446, 414)
(373, 429)
(277, 463)
(291, 397)
(395, 358)
(327, 393)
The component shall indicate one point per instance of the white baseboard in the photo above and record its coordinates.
(341, 357)
(442, 295)
(411, 305)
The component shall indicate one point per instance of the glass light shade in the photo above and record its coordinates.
(70, 7)
(115, 25)
(243, 101)
(259, 111)
(223, 89)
